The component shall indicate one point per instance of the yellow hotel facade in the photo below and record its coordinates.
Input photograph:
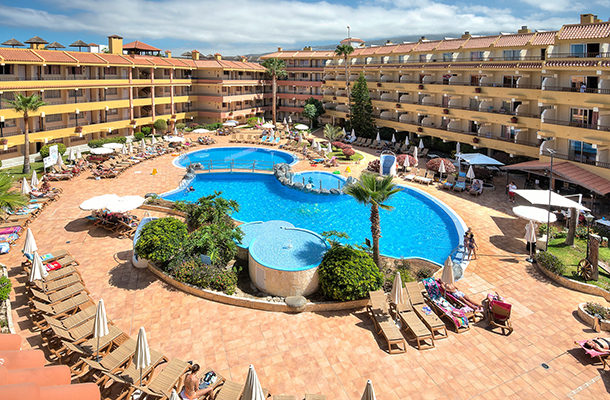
(513, 93)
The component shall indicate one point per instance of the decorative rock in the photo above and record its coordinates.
(335, 191)
(284, 181)
(298, 185)
(147, 195)
(297, 303)
(308, 187)
(316, 191)
(350, 180)
(324, 191)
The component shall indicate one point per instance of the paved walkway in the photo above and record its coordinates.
(333, 353)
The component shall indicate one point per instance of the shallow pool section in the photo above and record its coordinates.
(320, 180)
(419, 226)
(249, 158)
(253, 229)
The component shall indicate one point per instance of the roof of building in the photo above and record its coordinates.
(585, 31)
(26, 55)
(427, 45)
(137, 45)
(518, 40)
(544, 38)
(300, 54)
(354, 39)
(480, 42)
(451, 44)
(404, 47)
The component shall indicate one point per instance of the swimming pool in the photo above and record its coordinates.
(326, 180)
(236, 157)
(420, 226)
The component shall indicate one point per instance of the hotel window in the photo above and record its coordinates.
(584, 50)
(166, 72)
(510, 81)
(511, 54)
(583, 117)
(110, 71)
(404, 59)
(476, 55)
(53, 118)
(447, 56)
(6, 69)
(52, 70)
(111, 92)
(52, 94)
(423, 57)
(581, 151)
(75, 70)
(112, 111)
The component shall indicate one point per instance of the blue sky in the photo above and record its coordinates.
(255, 26)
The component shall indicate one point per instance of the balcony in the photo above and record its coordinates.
(579, 160)
(595, 54)
(577, 124)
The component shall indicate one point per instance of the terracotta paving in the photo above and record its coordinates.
(334, 353)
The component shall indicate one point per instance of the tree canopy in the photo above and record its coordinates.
(361, 119)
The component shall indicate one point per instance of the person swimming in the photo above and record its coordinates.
(190, 189)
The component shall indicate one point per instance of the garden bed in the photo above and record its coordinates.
(588, 319)
(571, 255)
(6, 320)
(574, 285)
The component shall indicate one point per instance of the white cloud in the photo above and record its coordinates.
(247, 26)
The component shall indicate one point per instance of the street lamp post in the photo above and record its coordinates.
(589, 218)
(548, 222)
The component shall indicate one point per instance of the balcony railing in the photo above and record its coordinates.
(56, 78)
(577, 124)
(600, 164)
(576, 89)
(594, 54)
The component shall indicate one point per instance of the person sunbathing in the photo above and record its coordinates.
(598, 344)
(458, 294)
(192, 386)
(476, 186)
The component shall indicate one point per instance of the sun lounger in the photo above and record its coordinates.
(498, 314)
(63, 309)
(422, 177)
(72, 321)
(367, 143)
(449, 182)
(472, 314)
(93, 370)
(477, 187)
(60, 295)
(75, 335)
(601, 356)
(89, 349)
(284, 397)
(49, 287)
(411, 175)
(58, 177)
(161, 385)
(384, 324)
(460, 185)
(233, 391)
(457, 316)
(314, 396)
(424, 312)
(411, 324)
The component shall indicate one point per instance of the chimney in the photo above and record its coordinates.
(388, 42)
(466, 35)
(422, 38)
(195, 55)
(307, 48)
(588, 19)
(115, 44)
(524, 30)
(243, 58)
(217, 57)
(168, 54)
(279, 49)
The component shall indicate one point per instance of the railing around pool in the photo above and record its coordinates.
(231, 165)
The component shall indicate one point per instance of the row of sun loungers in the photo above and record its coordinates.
(254, 139)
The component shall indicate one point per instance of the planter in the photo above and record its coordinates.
(446, 111)
(4, 142)
(78, 129)
(475, 140)
(420, 87)
(346, 115)
(334, 97)
(514, 120)
(588, 318)
(477, 90)
(173, 116)
(5, 309)
(574, 285)
(420, 129)
(132, 122)
(397, 105)
(323, 81)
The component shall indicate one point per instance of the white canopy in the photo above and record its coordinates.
(406, 164)
(369, 393)
(470, 173)
(329, 148)
(542, 197)
(130, 148)
(124, 204)
(479, 159)
(38, 271)
(102, 150)
(415, 156)
(267, 126)
(113, 146)
(284, 122)
(393, 138)
(78, 154)
(534, 214)
(97, 202)
(124, 149)
(252, 387)
(378, 138)
(141, 357)
(100, 324)
(25, 187)
(421, 144)
(301, 127)
(60, 161)
(201, 130)
(34, 180)
(173, 139)
(448, 276)
(72, 155)
(289, 119)
(29, 246)
(153, 140)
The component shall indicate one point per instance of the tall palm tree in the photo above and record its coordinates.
(10, 198)
(373, 191)
(25, 105)
(277, 69)
(344, 50)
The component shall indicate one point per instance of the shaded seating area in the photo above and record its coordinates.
(384, 324)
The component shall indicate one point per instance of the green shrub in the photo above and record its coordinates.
(100, 142)
(191, 270)
(5, 288)
(218, 241)
(213, 127)
(252, 121)
(597, 309)
(405, 269)
(160, 125)
(550, 262)
(348, 274)
(423, 273)
(161, 239)
(139, 135)
(44, 150)
(146, 130)
(553, 232)
(581, 232)
(180, 126)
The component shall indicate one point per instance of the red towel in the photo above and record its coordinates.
(52, 266)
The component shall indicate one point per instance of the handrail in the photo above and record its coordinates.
(230, 164)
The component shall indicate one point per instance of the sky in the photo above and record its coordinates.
(238, 27)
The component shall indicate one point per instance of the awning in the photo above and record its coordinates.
(568, 172)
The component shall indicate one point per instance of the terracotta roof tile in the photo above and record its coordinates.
(500, 65)
(480, 42)
(427, 45)
(405, 47)
(514, 40)
(436, 65)
(25, 55)
(137, 45)
(87, 58)
(55, 56)
(177, 62)
(588, 31)
(189, 63)
(451, 44)
(464, 65)
(207, 64)
(387, 49)
(544, 38)
(358, 51)
(370, 50)
(114, 59)
(571, 64)
(530, 65)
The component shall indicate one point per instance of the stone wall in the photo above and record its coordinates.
(284, 174)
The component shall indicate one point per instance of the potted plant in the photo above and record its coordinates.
(420, 87)
(477, 90)
(475, 140)
(78, 129)
(334, 97)
(173, 116)
(323, 81)
(514, 120)
(420, 129)
(132, 122)
(346, 115)
(446, 111)
(4, 141)
(378, 84)
(231, 113)
(397, 105)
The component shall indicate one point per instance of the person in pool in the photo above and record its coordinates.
(190, 189)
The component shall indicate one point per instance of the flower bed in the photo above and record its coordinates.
(6, 320)
(587, 312)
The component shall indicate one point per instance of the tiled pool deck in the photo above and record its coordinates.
(333, 353)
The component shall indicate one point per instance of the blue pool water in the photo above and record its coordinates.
(417, 227)
(328, 180)
(238, 157)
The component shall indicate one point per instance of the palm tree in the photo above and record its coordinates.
(345, 50)
(332, 133)
(375, 192)
(10, 198)
(277, 69)
(25, 105)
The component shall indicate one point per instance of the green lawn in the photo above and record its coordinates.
(571, 255)
(341, 157)
(17, 172)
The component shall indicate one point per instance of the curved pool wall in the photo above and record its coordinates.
(320, 179)
(283, 261)
(242, 157)
(421, 226)
(253, 229)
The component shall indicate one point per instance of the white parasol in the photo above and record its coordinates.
(421, 144)
(329, 148)
(29, 247)
(101, 150)
(38, 271)
(534, 214)
(470, 174)
(441, 168)
(113, 146)
(301, 127)
(479, 159)
(542, 197)
(100, 325)
(141, 357)
(448, 276)
(378, 139)
(201, 130)
(344, 133)
(369, 393)
(72, 155)
(97, 202)
(393, 138)
(34, 180)
(143, 146)
(130, 149)
(406, 164)
(396, 295)
(530, 237)
(154, 140)
(252, 387)
(284, 122)
(124, 204)
(25, 187)
(78, 154)
(60, 161)
(289, 119)
(415, 157)
(124, 149)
